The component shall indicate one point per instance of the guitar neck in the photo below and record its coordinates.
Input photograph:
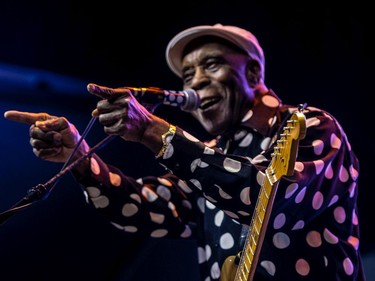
(282, 164)
(254, 239)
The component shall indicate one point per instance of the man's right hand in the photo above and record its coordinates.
(52, 138)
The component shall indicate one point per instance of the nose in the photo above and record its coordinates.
(200, 79)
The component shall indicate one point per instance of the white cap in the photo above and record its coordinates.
(238, 36)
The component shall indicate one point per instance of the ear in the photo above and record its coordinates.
(253, 72)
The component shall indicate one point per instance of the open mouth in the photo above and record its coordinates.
(209, 102)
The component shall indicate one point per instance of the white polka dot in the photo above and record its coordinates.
(165, 182)
(190, 137)
(187, 204)
(231, 214)
(330, 237)
(93, 191)
(270, 101)
(127, 228)
(290, 190)
(208, 151)
(186, 233)
(353, 172)
(232, 165)
(201, 255)
(314, 239)
(299, 225)
(94, 166)
(299, 167)
(196, 183)
(129, 210)
(115, 179)
(245, 196)
(279, 221)
(317, 200)
(339, 214)
(157, 218)
(247, 116)
(258, 159)
(222, 193)
(272, 120)
(318, 146)
(218, 220)
(198, 163)
(335, 141)
(333, 200)
(348, 266)
(240, 134)
(149, 194)
(226, 241)
(246, 140)
(209, 198)
(208, 252)
(269, 267)
(184, 186)
(354, 241)
(100, 201)
(312, 122)
(215, 271)
(265, 143)
(300, 195)
(343, 174)
(329, 172)
(260, 177)
(194, 164)
(200, 202)
(242, 213)
(352, 189)
(86, 195)
(354, 218)
(209, 205)
(164, 192)
(168, 152)
(172, 207)
(302, 267)
(281, 240)
(159, 233)
(319, 165)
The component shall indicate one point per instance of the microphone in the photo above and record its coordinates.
(187, 100)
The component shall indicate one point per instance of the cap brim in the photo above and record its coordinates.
(177, 45)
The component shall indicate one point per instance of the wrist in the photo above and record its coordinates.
(166, 140)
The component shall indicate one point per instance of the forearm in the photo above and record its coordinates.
(136, 205)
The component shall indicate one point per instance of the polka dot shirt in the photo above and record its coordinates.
(313, 229)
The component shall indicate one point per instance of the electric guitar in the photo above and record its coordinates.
(282, 164)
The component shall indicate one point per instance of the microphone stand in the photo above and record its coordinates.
(39, 191)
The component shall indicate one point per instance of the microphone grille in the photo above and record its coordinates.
(192, 100)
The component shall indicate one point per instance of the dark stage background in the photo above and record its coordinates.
(49, 51)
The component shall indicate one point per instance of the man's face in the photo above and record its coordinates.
(218, 74)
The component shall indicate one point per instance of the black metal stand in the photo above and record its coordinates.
(39, 191)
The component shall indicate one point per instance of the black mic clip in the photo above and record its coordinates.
(151, 97)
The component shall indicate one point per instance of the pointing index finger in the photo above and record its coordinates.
(106, 92)
(26, 117)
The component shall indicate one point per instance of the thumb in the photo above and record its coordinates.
(27, 117)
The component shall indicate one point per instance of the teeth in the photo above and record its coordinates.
(205, 103)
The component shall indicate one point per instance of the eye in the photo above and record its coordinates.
(187, 76)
